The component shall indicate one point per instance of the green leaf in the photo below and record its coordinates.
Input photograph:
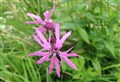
(91, 17)
(80, 62)
(110, 47)
(118, 76)
(84, 35)
(96, 65)
(111, 66)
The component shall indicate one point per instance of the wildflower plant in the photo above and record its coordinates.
(46, 24)
(51, 46)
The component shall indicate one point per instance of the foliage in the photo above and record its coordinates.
(95, 26)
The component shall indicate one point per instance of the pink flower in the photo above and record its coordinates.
(47, 23)
(51, 52)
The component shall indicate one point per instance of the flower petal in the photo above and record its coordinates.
(69, 50)
(39, 53)
(49, 20)
(47, 15)
(53, 9)
(42, 29)
(64, 38)
(37, 21)
(44, 58)
(51, 64)
(34, 16)
(69, 55)
(39, 42)
(57, 66)
(72, 54)
(42, 38)
(49, 39)
(69, 63)
(32, 22)
(57, 33)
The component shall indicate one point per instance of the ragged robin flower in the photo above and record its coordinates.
(52, 52)
(46, 24)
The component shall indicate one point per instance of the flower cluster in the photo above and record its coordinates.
(51, 47)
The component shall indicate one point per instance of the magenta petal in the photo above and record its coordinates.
(44, 58)
(39, 53)
(64, 38)
(39, 42)
(49, 39)
(34, 22)
(31, 22)
(69, 50)
(42, 38)
(57, 68)
(70, 54)
(69, 63)
(51, 64)
(47, 15)
(49, 20)
(57, 33)
(31, 15)
(53, 9)
(34, 16)
(37, 21)
(42, 29)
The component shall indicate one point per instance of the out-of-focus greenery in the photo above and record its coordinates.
(95, 26)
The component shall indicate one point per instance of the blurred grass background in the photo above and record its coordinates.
(95, 26)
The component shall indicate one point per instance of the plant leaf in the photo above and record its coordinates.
(84, 35)
(96, 65)
(110, 47)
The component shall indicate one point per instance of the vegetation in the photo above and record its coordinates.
(95, 26)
